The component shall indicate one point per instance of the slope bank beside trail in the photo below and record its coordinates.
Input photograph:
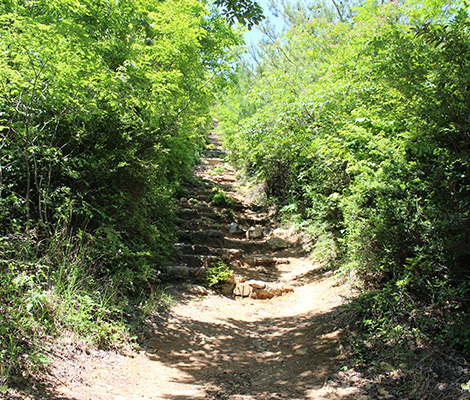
(274, 334)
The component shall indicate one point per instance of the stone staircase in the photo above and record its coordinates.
(241, 235)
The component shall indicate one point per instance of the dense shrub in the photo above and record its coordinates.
(104, 109)
(360, 129)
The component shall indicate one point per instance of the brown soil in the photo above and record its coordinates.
(214, 347)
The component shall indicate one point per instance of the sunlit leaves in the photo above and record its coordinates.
(362, 129)
(109, 99)
(246, 12)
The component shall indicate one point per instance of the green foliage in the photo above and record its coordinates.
(40, 300)
(104, 109)
(360, 130)
(246, 12)
(219, 272)
(220, 199)
(387, 324)
(227, 214)
(101, 120)
(218, 170)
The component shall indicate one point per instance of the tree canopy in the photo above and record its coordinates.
(246, 12)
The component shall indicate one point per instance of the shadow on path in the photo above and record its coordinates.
(265, 358)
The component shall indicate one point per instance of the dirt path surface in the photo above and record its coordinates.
(273, 335)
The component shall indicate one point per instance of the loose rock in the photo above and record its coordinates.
(242, 289)
(276, 243)
(254, 232)
(234, 228)
(301, 352)
(197, 290)
(256, 284)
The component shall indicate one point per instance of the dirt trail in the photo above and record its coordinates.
(211, 346)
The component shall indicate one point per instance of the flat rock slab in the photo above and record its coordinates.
(257, 289)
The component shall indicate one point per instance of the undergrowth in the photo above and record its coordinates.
(48, 295)
(218, 272)
(368, 153)
(220, 199)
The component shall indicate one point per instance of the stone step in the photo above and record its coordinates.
(186, 213)
(192, 214)
(239, 234)
(264, 261)
(214, 153)
(212, 237)
(237, 206)
(243, 244)
(198, 225)
(226, 187)
(188, 231)
(223, 179)
(213, 160)
(198, 185)
(203, 197)
(223, 221)
(219, 217)
(198, 260)
(205, 207)
(187, 248)
(184, 272)
(181, 248)
(216, 238)
(248, 222)
(201, 207)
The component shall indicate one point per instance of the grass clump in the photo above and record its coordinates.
(218, 170)
(227, 214)
(48, 295)
(220, 199)
(218, 273)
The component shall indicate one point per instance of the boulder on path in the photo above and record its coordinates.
(262, 294)
(235, 228)
(197, 290)
(269, 292)
(277, 243)
(254, 232)
(293, 237)
(260, 290)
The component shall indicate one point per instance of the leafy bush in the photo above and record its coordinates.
(220, 199)
(104, 109)
(360, 128)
